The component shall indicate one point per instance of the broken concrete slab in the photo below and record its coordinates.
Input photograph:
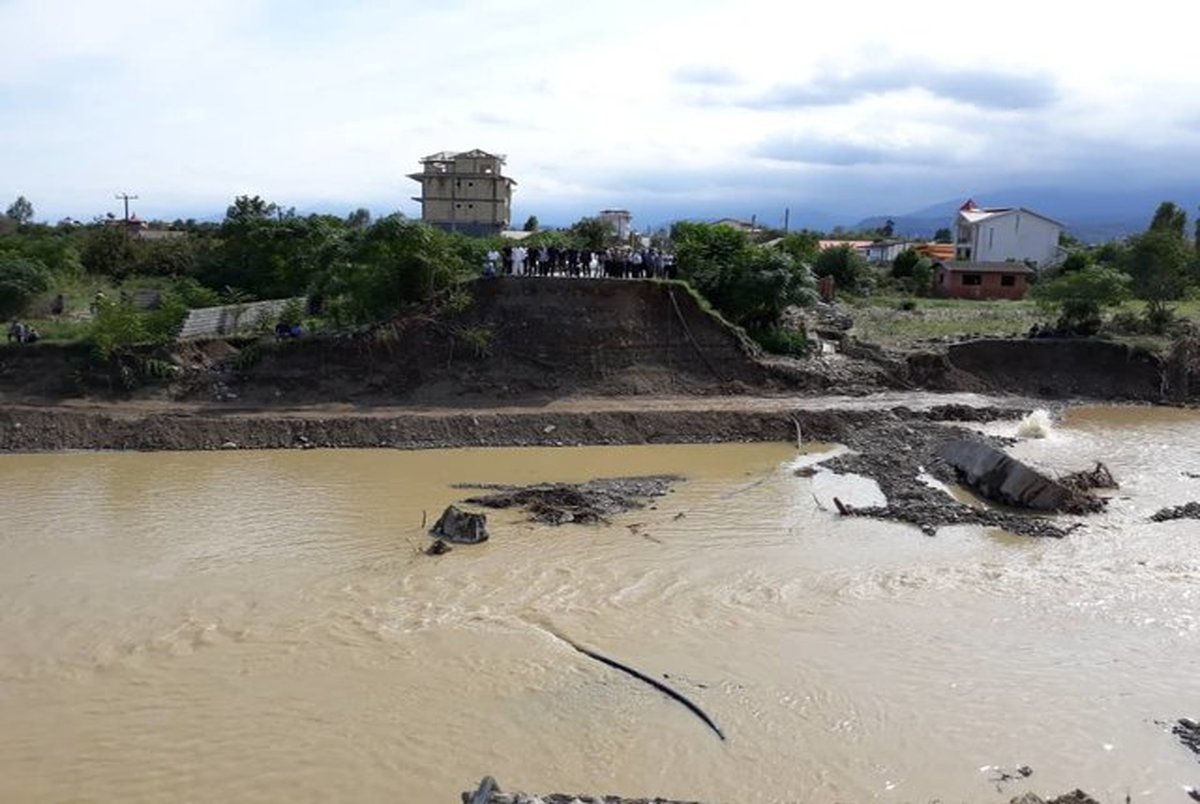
(1003, 479)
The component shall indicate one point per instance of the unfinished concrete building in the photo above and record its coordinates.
(465, 192)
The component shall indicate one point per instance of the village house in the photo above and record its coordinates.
(882, 252)
(858, 245)
(981, 280)
(465, 192)
(620, 221)
(1000, 234)
(749, 227)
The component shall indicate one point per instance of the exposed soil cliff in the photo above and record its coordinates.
(527, 340)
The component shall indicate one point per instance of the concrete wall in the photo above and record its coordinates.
(233, 319)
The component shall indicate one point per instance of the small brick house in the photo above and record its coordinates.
(981, 280)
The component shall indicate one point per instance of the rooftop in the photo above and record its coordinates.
(986, 267)
(450, 156)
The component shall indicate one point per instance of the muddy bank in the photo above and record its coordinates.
(41, 429)
(532, 338)
(1052, 368)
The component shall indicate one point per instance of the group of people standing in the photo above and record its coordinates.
(611, 263)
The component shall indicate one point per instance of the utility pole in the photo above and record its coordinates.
(787, 217)
(126, 197)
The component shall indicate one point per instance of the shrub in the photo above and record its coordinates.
(117, 325)
(782, 341)
(749, 285)
(849, 269)
(1079, 297)
(21, 281)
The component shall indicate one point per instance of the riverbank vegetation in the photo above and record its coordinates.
(72, 281)
(1145, 289)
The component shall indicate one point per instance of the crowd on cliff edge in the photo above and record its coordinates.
(612, 263)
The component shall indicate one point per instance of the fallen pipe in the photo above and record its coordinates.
(653, 682)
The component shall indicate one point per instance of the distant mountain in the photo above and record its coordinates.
(1091, 215)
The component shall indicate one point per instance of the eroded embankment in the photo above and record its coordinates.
(39, 429)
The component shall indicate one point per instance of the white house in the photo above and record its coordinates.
(1002, 234)
(886, 251)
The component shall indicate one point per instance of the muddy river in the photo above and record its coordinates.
(261, 627)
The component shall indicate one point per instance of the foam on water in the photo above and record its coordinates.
(1036, 425)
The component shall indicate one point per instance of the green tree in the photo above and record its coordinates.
(848, 267)
(531, 224)
(272, 253)
(1114, 254)
(359, 218)
(1075, 261)
(1159, 262)
(107, 251)
(20, 210)
(905, 262)
(922, 276)
(750, 285)
(250, 208)
(592, 233)
(55, 249)
(1080, 296)
(397, 263)
(174, 257)
(1169, 217)
(21, 281)
(943, 235)
(803, 246)
(888, 229)
(913, 269)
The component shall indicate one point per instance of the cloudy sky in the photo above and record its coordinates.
(671, 109)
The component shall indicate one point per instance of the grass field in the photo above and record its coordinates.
(883, 320)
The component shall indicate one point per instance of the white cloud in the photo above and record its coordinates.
(191, 103)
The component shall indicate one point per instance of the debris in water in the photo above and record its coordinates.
(461, 527)
(438, 548)
(1004, 776)
(653, 682)
(1074, 797)
(1098, 477)
(593, 501)
(1036, 425)
(1188, 732)
(636, 530)
(897, 452)
(1186, 511)
(489, 792)
(1004, 479)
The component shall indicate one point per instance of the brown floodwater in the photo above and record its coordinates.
(260, 626)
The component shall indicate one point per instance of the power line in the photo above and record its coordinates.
(126, 197)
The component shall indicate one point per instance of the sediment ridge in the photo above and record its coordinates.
(51, 428)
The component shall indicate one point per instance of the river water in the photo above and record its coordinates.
(261, 627)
